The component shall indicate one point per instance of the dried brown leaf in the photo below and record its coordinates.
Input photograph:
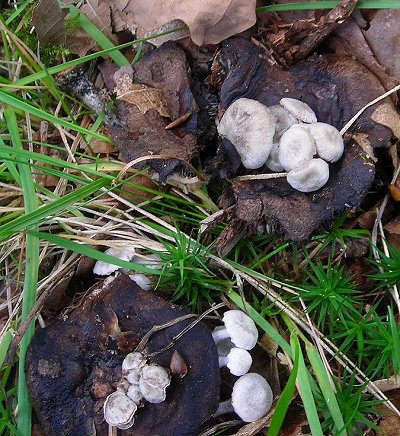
(48, 20)
(144, 97)
(99, 13)
(209, 21)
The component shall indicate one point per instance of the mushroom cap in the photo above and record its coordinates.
(250, 127)
(283, 120)
(239, 361)
(273, 162)
(241, 329)
(296, 147)
(299, 109)
(135, 394)
(328, 141)
(133, 361)
(153, 383)
(225, 345)
(142, 280)
(119, 410)
(251, 397)
(133, 376)
(310, 177)
(104, 269)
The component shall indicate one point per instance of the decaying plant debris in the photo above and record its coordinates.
(164, 113)
(73, 365)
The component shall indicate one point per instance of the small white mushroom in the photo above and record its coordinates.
(296, 147)
(252, 398)
(273, 162)
(142, 281)
(238, 361)
(133, 361)
(250, 127)
(310, 177)
(299, 109)
(223, 346)
(133, 376)
(239, 328)
(328, 141)
(104, 269)
(153, 383)
(119, 410)
(135, 394)
(283, 120)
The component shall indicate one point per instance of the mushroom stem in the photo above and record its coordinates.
(219, 335)
(224, 407)
(223, 361)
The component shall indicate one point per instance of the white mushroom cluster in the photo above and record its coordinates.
(141, 382)
(234, 340)
(285, 138)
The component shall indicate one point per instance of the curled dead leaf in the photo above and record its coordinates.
(209, 21)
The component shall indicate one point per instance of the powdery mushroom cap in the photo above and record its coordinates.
(153, 383)
(133, 361)
(250, 127)
(238, 361)
(133, 376)
(119, 410)
(310, 177)
(142, 280)
(283, 120)
(252, 397)
(296, 147)
(135, 394)
(328, 141)
(241, 329)
(104, 269)
(273, 162)
(299, 109)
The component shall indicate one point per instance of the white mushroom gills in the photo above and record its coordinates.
(309, 177)
(299, 110)
(252, 398)
(239, 328)
(250, 127)
(119, 410)
(238, 361)
(153, 383)
(328, 141)
(296, 148)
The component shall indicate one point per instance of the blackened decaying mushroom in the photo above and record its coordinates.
(336, 88)
(73, 365)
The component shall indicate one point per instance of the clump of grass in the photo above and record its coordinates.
(187, 274)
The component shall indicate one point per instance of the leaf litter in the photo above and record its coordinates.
(275, 60)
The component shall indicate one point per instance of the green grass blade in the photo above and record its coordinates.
(287, 394)
(10, 100)
(98, 36)
(306, 394)
(313, 5)
(327, 388)
(30, 276)
(85, 250)
(36, 216)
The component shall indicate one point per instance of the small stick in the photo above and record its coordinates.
(260, 176)
(179, 121)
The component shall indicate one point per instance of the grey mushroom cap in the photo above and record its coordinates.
(224, 346)
(133, 361)
(119, 410)
(153, 383)
(241, 329)
(309, 177)
(273, 162)
(296, 147)
(135, 394)
(328, 141)
(238, 361)
(252, 397)
(299, 110)
(283, 120)
(250, 127)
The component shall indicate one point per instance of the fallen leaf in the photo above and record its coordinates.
(48, 20)
(209, 21)
(144, 97)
